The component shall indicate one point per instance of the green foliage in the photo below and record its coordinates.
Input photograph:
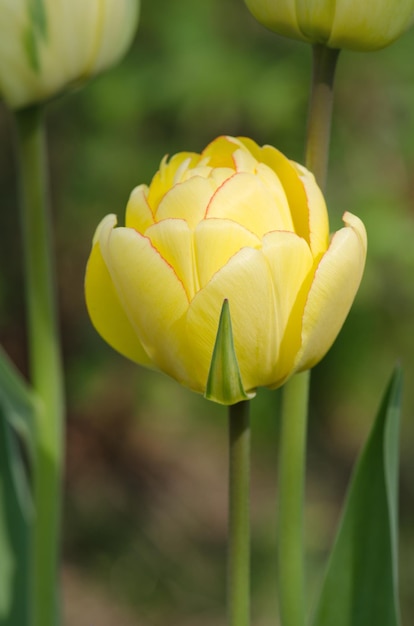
(16, 420)
(360, 587)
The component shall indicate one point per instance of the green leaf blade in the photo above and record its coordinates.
(360, 585)
(17, 409)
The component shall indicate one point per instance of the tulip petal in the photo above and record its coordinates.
(220, 152)
(370, 31)
(224, 383)
(168, 174)
(152, 296)
(115, 30)
(318, 214)
(244, 161)
(187, 200)
(291, 183)
(315, 18)
(245, 199)
(245, 282)
(280, 16)
(104, 306)
(138, 212)
(174, 241)
(335, 284)
(216, 241)
(291, 266)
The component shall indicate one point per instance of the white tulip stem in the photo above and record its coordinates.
(44, 361)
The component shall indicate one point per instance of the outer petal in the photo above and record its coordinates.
(291, 266)
(246, 283)
(279, 16)
(318, 214)
(117, 23)
(315, 18)
(104, 307)
(153, 298)
(291, 182)
(333, 290)
(173, 239)
(358, 27)
(215, 242)
(138, 212)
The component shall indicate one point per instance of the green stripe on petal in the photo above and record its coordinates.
(36, 31)
(224, 383)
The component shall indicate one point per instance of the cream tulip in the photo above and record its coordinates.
(237, 223)
(48, 45)
(352, 24)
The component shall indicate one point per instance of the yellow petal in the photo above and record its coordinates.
(166, 176)
(138, 212)
(152, 296)
(245, 199)
(272, 182)
(246, 283)
(244, 161)
(318, 214)
(174, 241)
(220, 152)
(291, 266)
(216, 241)
(220, 174)
(104, 307)
(291, 183)
(333, 290)
(187, 200)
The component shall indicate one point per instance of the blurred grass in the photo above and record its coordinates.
(145, 512)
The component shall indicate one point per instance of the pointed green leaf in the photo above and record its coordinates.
(224, 384)
(18, 401)
(16, 508)
(360, 587)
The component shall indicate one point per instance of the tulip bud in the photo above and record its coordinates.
(237, 224)
(353, 24)
(48, 45)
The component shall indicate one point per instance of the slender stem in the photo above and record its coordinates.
(320, 112)
(45, 361)
(296, 391)
(239, 519)
(291, 498)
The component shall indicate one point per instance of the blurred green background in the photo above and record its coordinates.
(145, 487)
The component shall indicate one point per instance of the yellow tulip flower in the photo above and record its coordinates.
(353, 24)
(237, 223)
(48, 45)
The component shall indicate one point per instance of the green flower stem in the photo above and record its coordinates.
(320, 112)
(45, 362)
(239, 518)
(296, 391)
(292, 461)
